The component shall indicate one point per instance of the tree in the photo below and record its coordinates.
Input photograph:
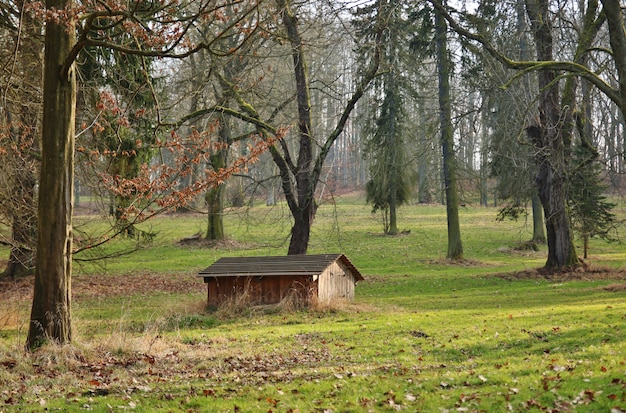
(307, 170)
(385, 148)
(100, 27)
(550, 139)
(590, 210)
(120, 86)
(455, 246)
(301, 174)
(51, 311)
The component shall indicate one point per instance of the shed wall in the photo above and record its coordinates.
(335, 282)
(258, 290)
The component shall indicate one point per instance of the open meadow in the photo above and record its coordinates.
(489, 334)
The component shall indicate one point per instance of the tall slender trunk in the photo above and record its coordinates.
(423, 185)
(455, 246)
(539, 233)
(51, 310)
(394, 167)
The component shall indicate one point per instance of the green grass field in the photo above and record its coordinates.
(489, 334)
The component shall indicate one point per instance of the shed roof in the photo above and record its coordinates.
(276, 265)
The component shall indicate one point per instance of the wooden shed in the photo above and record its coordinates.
(268, 280)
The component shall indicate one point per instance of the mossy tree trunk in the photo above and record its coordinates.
(550, 146)
(455, 246)
(539, 233)
(214, 197)
(51, 310)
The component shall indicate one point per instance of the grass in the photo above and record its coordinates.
(422, 335)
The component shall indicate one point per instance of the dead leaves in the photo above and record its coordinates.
(101, 285)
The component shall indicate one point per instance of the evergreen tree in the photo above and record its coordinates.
(385, 147)
(590, 211)
(120, 86)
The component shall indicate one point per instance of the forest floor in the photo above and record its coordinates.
(90, 286)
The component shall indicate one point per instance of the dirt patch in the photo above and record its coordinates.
(572, 274)
(91, 286)
(201, 243)
(457, 263)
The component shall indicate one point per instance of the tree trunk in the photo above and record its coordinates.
(215, 224)
(301, 230)
(424, 195)
(455, 246)
(215, 196)
(51, 310)
(394, 167)
(614, 12)
(305, 186)
(549, 144)
(539, 234)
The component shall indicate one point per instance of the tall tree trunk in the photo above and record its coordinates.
(394, 167)
(614, 12)
(539, 233)
(215, 203)
(424, 195)
(549, 144)
(215, 196)
(304, 211)
(51, 310)
(455, 246)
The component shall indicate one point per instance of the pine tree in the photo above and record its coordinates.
(385, 147)
(590, 211)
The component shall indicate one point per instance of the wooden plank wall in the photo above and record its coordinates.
(259, 290)
(335, 282)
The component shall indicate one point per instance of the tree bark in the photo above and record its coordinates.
(215, 204)
(549, 145)
(304, 210)
(539, 233)
(51, 310)
(617, 38)
(455, 246)
(424, 195)
(394, 168)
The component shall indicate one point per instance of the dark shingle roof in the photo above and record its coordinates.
(276, 265)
